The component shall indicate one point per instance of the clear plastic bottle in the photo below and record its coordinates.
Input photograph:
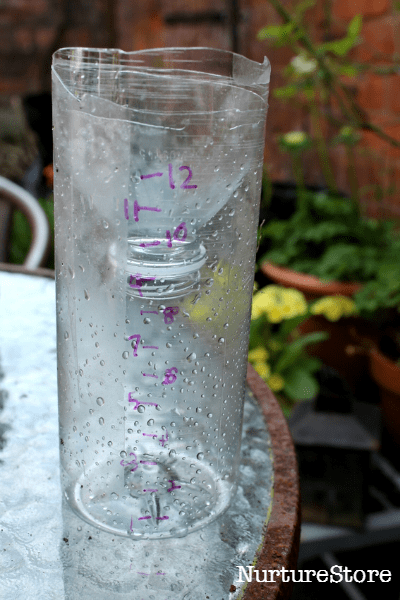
(158, 164)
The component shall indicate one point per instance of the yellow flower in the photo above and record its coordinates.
(276, 382)
(294, 138)
(278, 303)
(259, 354)
(275, 314)
(263, 369)
(334, 307)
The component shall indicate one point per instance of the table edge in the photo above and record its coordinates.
(281, 536)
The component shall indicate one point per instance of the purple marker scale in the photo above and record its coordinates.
(158, 164)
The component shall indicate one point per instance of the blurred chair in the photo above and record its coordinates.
(14, 196)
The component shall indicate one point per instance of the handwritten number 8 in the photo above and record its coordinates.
(169, 376)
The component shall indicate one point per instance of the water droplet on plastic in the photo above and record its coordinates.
(125, 355)
(87, 295)
(66, 335)
(191, 357)
(200, 456)
(209, 415)
(101, 421)
(150, 422)
(100, 401)
(141, 408)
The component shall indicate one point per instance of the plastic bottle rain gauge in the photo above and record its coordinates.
(158, 164)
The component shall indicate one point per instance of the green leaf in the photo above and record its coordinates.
(300, 385)
(310, 364)
(339, 47)
(275, 229)
(349, 70)
(303, 6)
(343, 46)
(294, 350)
(276, 32)
(354, 27)
(287, 91)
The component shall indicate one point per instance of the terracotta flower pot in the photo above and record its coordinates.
(311, 286)
(333, 351)
(386, 374)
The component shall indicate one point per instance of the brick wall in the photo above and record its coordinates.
(31, 30)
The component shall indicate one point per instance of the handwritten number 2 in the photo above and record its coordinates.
(184, 185)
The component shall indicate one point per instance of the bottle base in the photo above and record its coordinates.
(160, 502)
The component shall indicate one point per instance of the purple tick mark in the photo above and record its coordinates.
(174, 487)
(137, 403)
(153, 435)
(147, 244)
(139, 282)
(143, 519)
(154, 347)
(150, 312)
(158, 174)
(150, 490)
(149, 375)
(146, 462)
(161, 518)
(137, 208)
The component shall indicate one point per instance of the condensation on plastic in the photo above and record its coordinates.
(158, 163)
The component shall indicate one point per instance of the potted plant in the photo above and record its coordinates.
(277, 349)
(383, 351)
(325, 235)
(325, 244)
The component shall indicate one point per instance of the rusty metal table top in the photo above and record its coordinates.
(49, 553)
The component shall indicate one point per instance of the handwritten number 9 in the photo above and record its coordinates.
(169, 313)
